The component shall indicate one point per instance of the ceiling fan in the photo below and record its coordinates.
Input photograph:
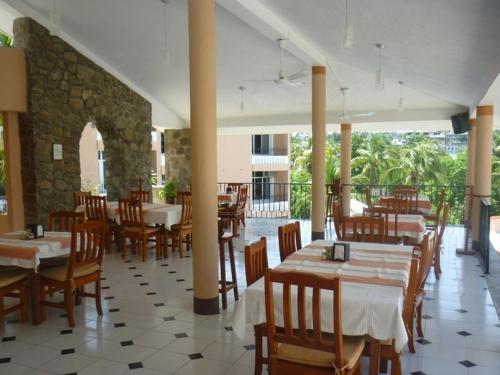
(296, 79)
(345, 115)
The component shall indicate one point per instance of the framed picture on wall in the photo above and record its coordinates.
(57, 151)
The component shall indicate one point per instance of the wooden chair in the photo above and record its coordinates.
(397, 204)
(134, 228)
(96, 209)
(177, 232)
(387, 350)
(289, 239)
(14, 283)
(363, 229)
(79, 198)
(236, 211)
(435, 216)
(386, 214)
(225, 285)
(410, 198)
(84, 267)
(338, 215)
(424, 266)
(235, 186)
(144, 196)
(62, 221)
(255, 267)
(439, 241)
(302, 349)
(180, 196)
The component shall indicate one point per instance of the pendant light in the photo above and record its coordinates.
(348, 38)
(55, 20)
(379, 73)
(401, 106)
(242, 102)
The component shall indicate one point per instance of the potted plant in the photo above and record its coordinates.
(168, 192)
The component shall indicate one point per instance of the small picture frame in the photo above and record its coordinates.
(341, 252)
(57, 151)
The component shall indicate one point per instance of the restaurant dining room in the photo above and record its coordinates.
(248, 187)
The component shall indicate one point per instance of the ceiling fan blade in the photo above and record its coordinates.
(295, 83)
(366, 114)
(297, 76)
(257, 80)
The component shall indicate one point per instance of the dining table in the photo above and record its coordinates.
(424, 204)
(15, 251)
(154, 213)
(227, 198)
(374, 282)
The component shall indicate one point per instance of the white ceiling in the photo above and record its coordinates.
(447, 48)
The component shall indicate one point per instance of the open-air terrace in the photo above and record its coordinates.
(249, 187)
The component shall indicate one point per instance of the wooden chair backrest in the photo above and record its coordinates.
(289, 239)
(96, 208)
(187, 210)
(406, 189)
(439, 207)
(242, 196)
(411, 292)
(397, 204)
(131, 213)
(410, 198)
(87, 245)
(384, 212)
(426, 256)
(337, 217)
(364, 229)
(79, 197)
(235, 186)
(441, 228)
(180, 196)
(62, 221)
(143, 195)
(368, 195)
(303, 336)
(256, 260)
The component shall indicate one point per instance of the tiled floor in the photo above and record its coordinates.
(148, 326)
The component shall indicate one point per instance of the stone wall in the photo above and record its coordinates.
(178, 157)
(66, 91)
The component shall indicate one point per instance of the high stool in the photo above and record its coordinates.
(225, 285)
(332, 194)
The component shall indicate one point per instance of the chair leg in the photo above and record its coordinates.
(124, 247)
(437, 264)
(98, 304)
(158, 245)
(420, 331)
(234, 279)
(258, 349)
(144, 249)
(383, 365)
(396, 364)
(24, 303)
(223, 285)
(411, 344)
(108, 243)
(180, 239)
(43, 311)
(68, 300)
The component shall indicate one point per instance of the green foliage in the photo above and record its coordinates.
(5, 41)
(169, 191)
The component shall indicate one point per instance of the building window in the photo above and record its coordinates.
(261, 144)
(262, 185)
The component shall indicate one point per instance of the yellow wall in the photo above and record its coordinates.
(234, 158)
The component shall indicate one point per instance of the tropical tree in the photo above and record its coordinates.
(371, 161)
(6, 41)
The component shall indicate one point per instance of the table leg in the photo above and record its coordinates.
(374, 357)
(35, 297)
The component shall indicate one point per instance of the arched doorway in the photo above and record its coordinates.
(92, 160)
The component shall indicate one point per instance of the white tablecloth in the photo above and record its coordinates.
(154, 213)
(368, 309)
(424, 204)
(48, 247)
(411, 226)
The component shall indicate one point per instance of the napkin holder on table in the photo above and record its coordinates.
(37, 230)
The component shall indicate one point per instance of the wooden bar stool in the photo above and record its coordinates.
(225, 285)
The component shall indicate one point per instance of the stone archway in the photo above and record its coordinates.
(66, 91)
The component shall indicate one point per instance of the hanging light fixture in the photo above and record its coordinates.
(166, 55)
(401, 106)
(55, 20)
(348, 39)
(242, 102)
(379, 73)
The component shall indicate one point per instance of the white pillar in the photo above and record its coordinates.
(345, 166)
(471, 152)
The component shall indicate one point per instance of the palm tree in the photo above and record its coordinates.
(5, 41)
(371, 161)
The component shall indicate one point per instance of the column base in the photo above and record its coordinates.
(317, 236)
(205, 306)
(475, 245)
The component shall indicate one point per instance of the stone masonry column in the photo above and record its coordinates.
(202, 57)
(345, 166)
(471, 152)
(482, 164)
(318, 152)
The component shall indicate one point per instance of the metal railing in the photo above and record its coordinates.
(294, 200)
(271, 152)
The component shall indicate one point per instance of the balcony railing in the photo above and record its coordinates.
(292, 200)
(271, 156)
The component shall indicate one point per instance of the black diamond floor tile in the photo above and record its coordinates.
(423, 341)
(138, 275)
(135, 365)
(159, 304)
(109, 297)
(114, 310)
(467, 363)
(132, 268)
(181, 335)
(164, 265)
(172, 271)
(195, 356)
(189, 289)
(417, 373)
(66, 331)
(461, 311)
(127, 343)
(151, 293)
(180, 280)
(169, 318)
(104, 287)
(464, 333)
(67, 351)
(8, 338)
(119, 325)
(229, 328)
(426, 317)
(143, 284)
(249, 347)
(5, 360)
